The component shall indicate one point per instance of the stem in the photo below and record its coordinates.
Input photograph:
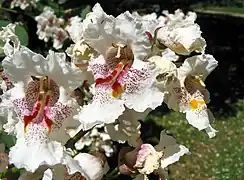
(71, 142)
(113, 174)
(8, 10)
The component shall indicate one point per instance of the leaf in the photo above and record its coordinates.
(8, 140)
(20, 32)
(84, 11)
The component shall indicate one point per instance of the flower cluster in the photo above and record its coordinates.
(23, 4)
(51, 27)
(132, 64)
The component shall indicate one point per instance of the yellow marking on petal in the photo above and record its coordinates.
(25, 129)
(117, 90)
(194, 103)
(199, 80)
(43, 101)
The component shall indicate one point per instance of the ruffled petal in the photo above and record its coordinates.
(25, 64)
(200, 65)
(102, 31)
(181, 34)
(200, 119)
(98, 29)
(75, 29)
(172, 154)
(128, 127)
(103, 109)
(141, 92)
(91, 165)
(171, 150)
(35, 148)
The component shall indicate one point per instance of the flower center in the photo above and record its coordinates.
(119, 59)
(194, 83)
(119, 53)
(83, 53)
(41, 93)
(195, 103)
(113, 79)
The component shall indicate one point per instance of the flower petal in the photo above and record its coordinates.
(141, 92)
(35, 148)
(198, 65)
(128, 127)
(173, 154)
(103, 109)
(92, 166)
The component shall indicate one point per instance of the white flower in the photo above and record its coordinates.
(41, 100)
(168, 71)
(75, 28)
(23, 4)
(50, 27)
(79, 52)
(122, 78)
(101, 31)
(181, 34)
(117, 85)
(96, 139)
(7, 35)
(155, 159)
(171, 150)
(127, 127)
(189, 95)
(93, 167)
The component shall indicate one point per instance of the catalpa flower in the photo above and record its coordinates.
(101, 31)
(51, 27)
(132, 85)
(147, 159)
(9, 41)
(121, 76)
(82, 166)
(127, 127)
(188, 93)
(79, 52)
(181, 34)
(23, 4)
(41, 100)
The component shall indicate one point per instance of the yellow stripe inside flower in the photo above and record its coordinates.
(38, 112)
(195, 103)
(122, 55)
(198, 79)
(117, 88)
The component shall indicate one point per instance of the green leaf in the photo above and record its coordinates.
(8, 140)
(20, 32)
(84, 11)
